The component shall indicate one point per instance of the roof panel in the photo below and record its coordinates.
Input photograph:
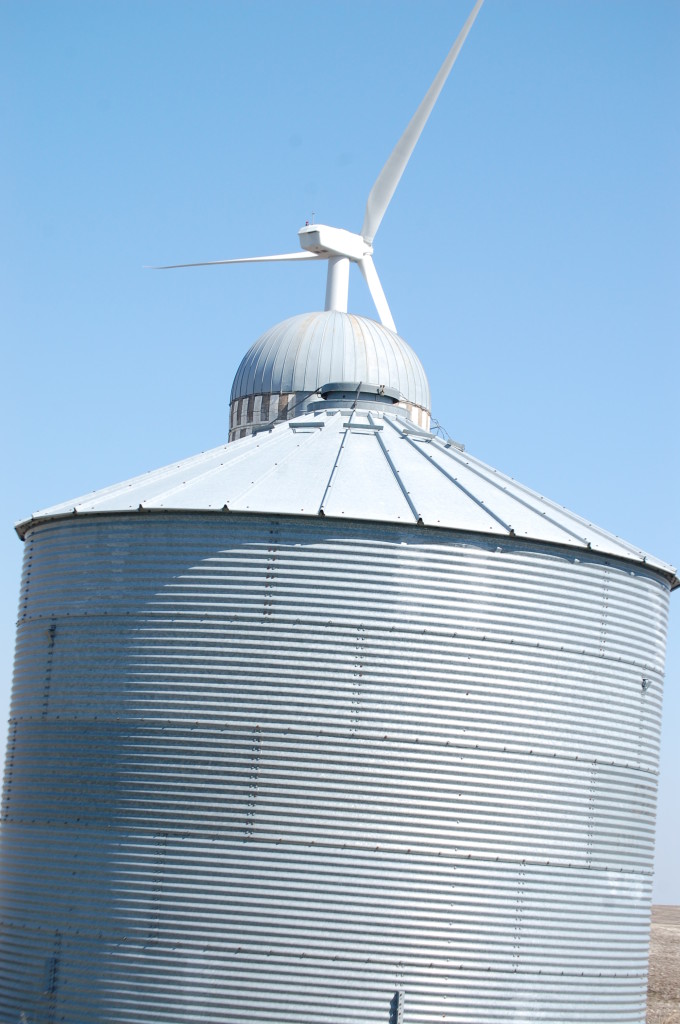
(276, 483)
(363, 477)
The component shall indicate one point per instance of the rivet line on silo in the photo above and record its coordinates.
(254, 772)
(51, 631)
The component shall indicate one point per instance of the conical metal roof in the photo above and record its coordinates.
(355, 464)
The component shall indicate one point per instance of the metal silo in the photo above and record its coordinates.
(333, 722)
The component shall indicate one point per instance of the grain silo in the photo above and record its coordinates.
(333, 722)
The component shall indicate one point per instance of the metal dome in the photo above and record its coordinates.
(290, 362)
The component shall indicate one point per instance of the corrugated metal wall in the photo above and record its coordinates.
(269, 769)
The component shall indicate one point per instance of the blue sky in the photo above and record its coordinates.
(531, 254)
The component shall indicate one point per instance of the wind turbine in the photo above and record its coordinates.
(341, 247)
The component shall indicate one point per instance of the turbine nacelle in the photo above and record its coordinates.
(340, 248)
(326, 241)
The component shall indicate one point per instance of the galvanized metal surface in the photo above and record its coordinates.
(307, 350)
(298, 356)
(355, 465)
(266, 768)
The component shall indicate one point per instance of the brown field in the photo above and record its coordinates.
(663, 999)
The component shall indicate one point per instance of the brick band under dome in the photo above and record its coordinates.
(288, 365)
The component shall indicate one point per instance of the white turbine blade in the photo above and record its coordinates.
(388, 179)
(245, 259)
(367, 268)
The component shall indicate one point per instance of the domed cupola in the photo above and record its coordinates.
(324, 358)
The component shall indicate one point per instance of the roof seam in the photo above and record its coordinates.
(522, 501)
(416, 514)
